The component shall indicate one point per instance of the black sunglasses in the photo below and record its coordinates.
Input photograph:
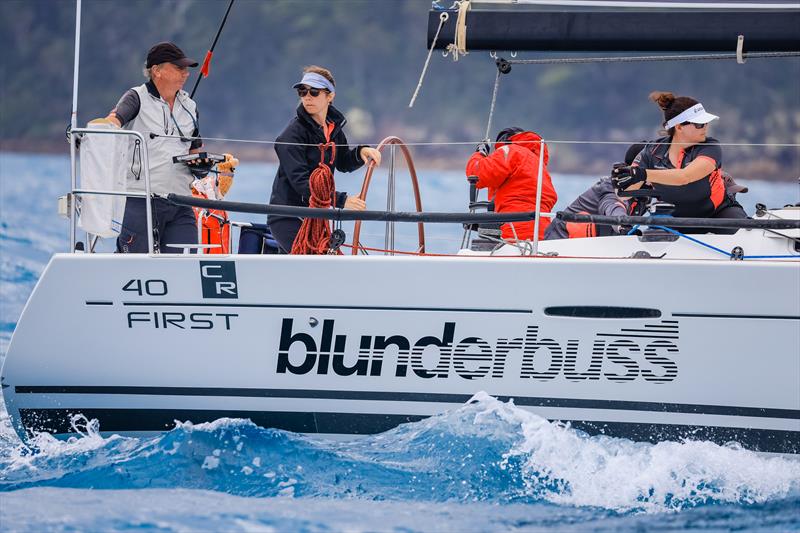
(302, 91)
(695, 124)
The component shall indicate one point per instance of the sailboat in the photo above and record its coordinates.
(711, 352)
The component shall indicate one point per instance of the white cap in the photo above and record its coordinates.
(696, 114)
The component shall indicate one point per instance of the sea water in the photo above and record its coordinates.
(486, 466)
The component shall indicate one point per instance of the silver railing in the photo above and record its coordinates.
(75, 192)
(388, 240)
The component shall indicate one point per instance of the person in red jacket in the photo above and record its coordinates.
(510, 174)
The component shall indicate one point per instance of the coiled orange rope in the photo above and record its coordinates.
(315, 234)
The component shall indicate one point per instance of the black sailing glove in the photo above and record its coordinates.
(483, 149)
(200, 167)
(623, 176)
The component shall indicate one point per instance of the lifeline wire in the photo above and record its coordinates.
(461, 143)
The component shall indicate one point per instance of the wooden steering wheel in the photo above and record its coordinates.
(365, 188)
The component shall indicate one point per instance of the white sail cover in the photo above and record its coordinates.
(104, 160)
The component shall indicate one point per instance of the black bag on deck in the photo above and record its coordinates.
(257, 239)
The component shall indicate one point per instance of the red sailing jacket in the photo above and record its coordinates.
(510, 175)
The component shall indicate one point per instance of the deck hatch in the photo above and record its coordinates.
(598, 311)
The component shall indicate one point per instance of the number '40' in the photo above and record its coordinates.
(150, 287)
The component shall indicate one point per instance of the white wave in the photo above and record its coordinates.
(220, 423)
(622, 475)
(45, 457)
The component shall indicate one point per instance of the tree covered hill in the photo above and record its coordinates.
(376, 50)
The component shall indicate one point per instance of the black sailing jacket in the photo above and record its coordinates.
(297, 162)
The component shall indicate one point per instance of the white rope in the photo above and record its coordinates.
(491, 107)
(442, 19)
(459, 47)
(464, 143)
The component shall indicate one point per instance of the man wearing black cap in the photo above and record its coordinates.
(167, 118)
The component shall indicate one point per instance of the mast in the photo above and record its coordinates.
(73, 125)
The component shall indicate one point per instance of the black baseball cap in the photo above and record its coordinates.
(507, 133)
(168, 52)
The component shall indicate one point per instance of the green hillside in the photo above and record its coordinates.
(376, 50)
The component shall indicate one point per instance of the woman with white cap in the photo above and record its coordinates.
(685, 167)
(317, 122)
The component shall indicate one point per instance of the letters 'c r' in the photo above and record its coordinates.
(206, 268)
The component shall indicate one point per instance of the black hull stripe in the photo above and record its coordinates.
(765, 317)
(651, 336)
(345, 307)
(56, 421)
(434, 309)
(651, 331)
(416, 397)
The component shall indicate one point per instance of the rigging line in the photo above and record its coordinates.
(773, 215)
(491, 107)
(723, 252)
(632, 59)
(776, 145)
(428, 236)
(465, 143)
(205, 69)
(523, 248)
(442, 19)
(668, 5)
(459, 45)
(795, 239)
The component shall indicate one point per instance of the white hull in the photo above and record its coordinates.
(663, 349)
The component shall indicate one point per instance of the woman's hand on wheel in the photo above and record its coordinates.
(354, 202)
(370, 153)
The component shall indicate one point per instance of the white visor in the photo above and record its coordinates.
(696, 114)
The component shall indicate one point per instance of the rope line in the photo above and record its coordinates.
(660, 5)
(720, 250)
(442, 19)
(459, 47)
(633, 59)
(534, 256)
(314, 235)
(491, 107)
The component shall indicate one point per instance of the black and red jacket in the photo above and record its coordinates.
(290, 186)
(701, 198)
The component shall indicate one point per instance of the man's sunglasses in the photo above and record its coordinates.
(695, 124)
(302, 91)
